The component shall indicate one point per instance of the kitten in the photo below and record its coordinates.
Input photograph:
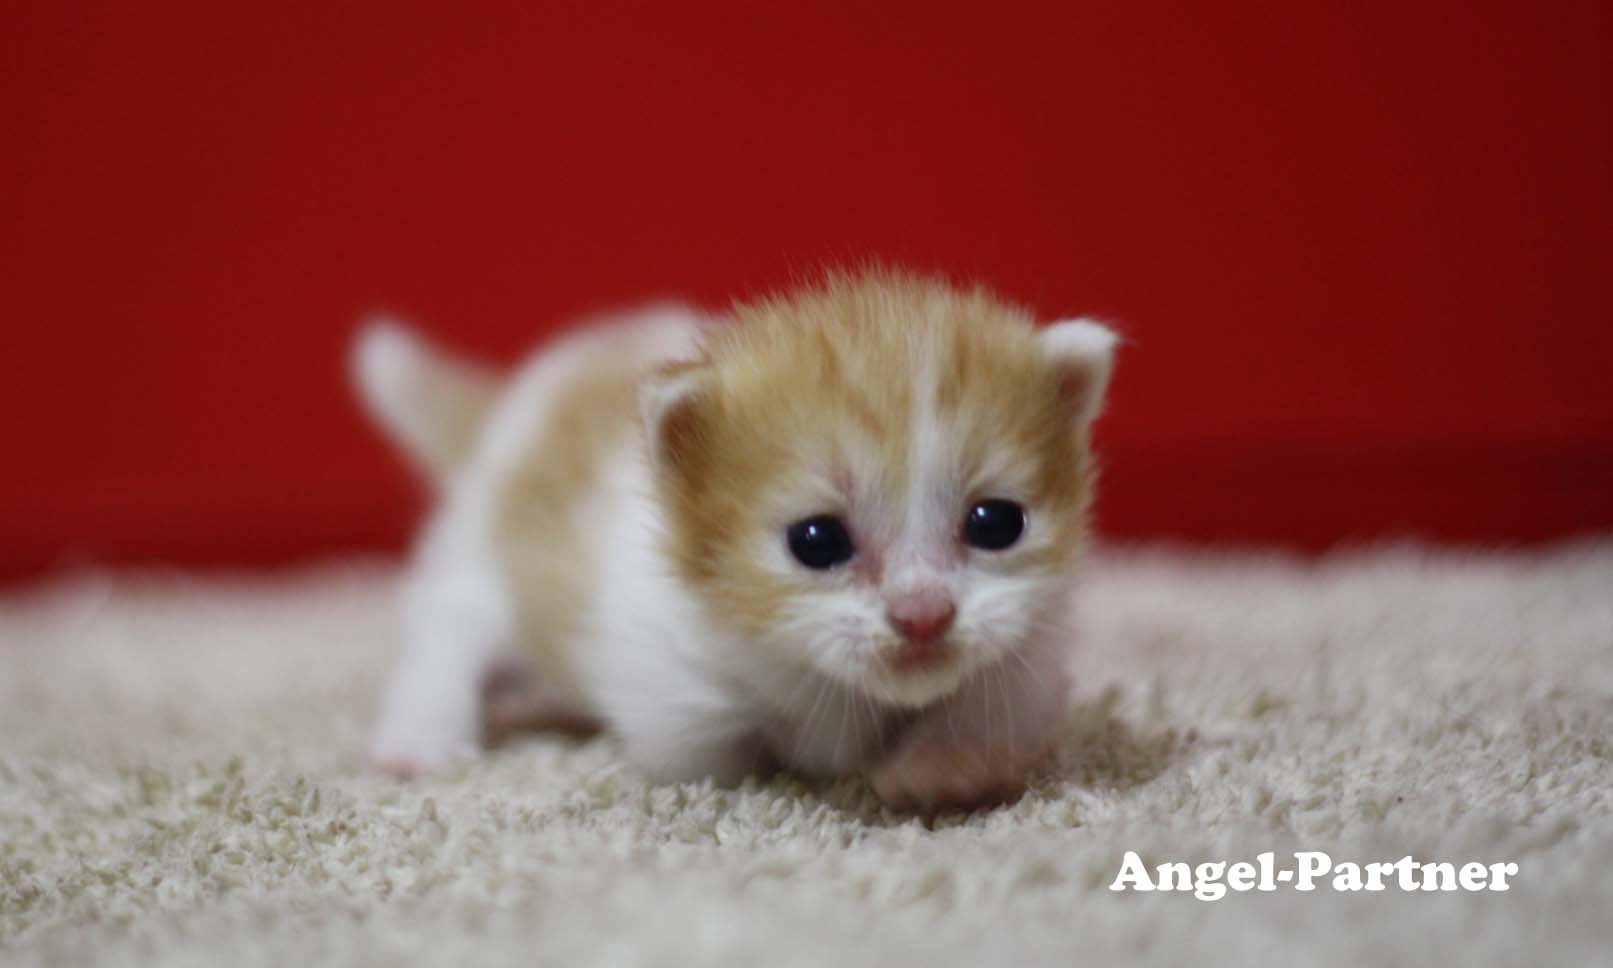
(836, 531)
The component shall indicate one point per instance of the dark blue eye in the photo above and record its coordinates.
(820, 542)
(994, 525)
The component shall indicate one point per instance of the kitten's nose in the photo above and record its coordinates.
(920, 616)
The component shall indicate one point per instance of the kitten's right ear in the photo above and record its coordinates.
(1083, 353)
(669, 403)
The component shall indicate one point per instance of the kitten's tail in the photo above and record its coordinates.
(431, 404)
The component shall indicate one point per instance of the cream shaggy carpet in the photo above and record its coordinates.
(179, 785)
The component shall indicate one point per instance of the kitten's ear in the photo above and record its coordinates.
(1082, 352)
(669, 403)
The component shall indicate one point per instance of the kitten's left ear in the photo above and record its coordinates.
(1082, 352)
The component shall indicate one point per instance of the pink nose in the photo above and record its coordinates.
(922, 616)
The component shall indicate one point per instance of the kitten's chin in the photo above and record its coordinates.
(910, 690)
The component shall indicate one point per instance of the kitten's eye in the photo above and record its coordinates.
(994, 525)
(820, 542)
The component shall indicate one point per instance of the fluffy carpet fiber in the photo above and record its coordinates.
(180, 784)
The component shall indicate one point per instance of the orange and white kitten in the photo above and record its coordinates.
(836, 531)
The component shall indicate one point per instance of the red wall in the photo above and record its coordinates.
(1363, 251)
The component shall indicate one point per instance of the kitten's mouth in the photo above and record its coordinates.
(920, 657)
(912, 676)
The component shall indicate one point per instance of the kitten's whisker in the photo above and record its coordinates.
(1006, 687)
(985, 689)
(845, 709)
(812, 717)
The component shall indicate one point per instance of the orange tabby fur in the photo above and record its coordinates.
(796, 383)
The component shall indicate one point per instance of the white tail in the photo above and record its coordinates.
(431, 404)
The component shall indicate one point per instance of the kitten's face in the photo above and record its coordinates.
(885, 481)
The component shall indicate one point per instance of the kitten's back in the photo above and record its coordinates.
(556, 463)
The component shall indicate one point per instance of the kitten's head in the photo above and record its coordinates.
(884, 478)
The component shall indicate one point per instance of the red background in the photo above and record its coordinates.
(1362, 250)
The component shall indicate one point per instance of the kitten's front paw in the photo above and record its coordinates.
(929, 774)
(405, 755)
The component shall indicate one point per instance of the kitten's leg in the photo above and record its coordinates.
(516, 699)
(431, 716)
(727, 759)
(687, 731)
(978, 745)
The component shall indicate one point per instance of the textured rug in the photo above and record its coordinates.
(180, 785)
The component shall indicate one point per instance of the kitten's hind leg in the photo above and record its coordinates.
(515, 699)
(431, 715)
